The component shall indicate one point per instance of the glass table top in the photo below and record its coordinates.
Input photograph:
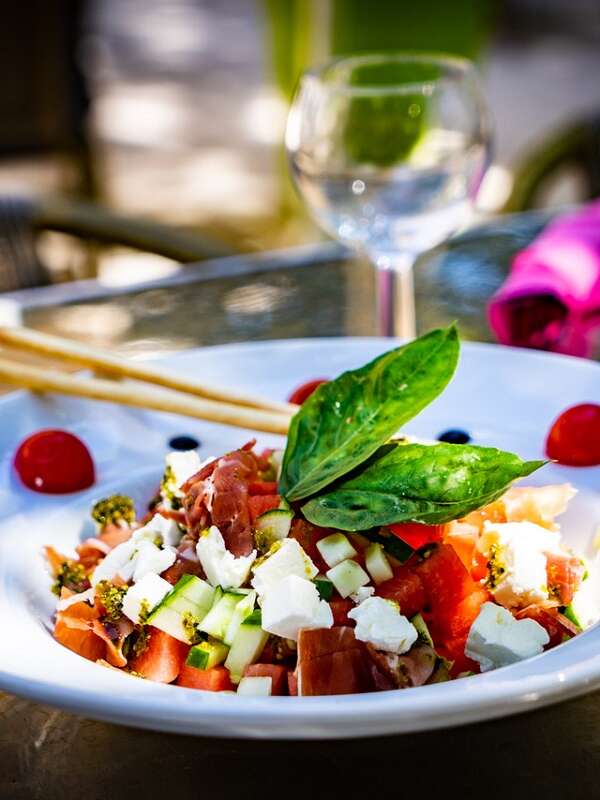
(312, 291)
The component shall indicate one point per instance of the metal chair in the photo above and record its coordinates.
(21, 220)
(576, 146)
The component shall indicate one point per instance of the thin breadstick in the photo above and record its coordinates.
(108, 364)
(132, 394)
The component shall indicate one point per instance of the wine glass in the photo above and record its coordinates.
(388, 151)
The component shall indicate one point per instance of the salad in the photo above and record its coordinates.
(355, 560)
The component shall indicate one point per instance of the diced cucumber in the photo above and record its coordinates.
(422, 629)
(283, 504)
(207, 655)
(377, 563)
(245, 649)
(571, 614)
(255, 686)
(273, 526)
(347, 577)
(216, 622)
(335, 549)
(183, 608)
(255, 618)
(242, 610)
(324, 587)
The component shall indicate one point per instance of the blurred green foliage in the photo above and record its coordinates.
(459, 27)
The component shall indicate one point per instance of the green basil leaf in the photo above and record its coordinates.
(432, 484)
(344, 421)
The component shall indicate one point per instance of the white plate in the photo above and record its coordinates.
(503, 397)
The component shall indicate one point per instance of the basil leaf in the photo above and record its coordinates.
(344, 421)
(432, 484)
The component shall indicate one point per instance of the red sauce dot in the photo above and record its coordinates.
(304, 391)
(54, 462)
(574, 437)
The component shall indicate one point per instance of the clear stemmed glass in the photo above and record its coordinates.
(388, 151)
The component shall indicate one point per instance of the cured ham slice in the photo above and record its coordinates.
(218, 495)
(404, 671)
(332, 661)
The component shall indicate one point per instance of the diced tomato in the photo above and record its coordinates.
(259, 503)
(564, 575)
(479, 569)
(304, 391)
(162, 659)
(83, 642)
(416, 535)
(277, 673)
(406, 588)
(340, 609)
(215, 679)
(454, 650)
(307, 536)
(453, 596)
(262, 487)
(457, 621)
(292, 679)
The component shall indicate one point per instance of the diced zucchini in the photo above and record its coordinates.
(183, 608)
(216, 622)
(242, 610)
(245, 649)
(422, 629)
(347, 577)
(273, 526)
(324, 587)
(255, 686)
(207, 655)
(335, 549)
(377, 563)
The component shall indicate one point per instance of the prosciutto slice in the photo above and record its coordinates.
(332, 661)
(411, 669)
(218, 495)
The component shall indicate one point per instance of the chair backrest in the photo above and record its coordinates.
(20, 267)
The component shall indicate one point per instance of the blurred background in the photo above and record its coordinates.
(174, 110)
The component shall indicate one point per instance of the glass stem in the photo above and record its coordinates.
(396, 296)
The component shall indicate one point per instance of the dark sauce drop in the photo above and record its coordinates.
(183, 443)
(454, 436)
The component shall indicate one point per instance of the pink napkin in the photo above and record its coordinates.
(551, 299)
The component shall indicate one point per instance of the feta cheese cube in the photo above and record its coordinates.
(360, 595)
(287, 558)
(147, 559)
(222, 568)
(144, 596)
(517, 553)
(379, 622)
(496, 638)
(291, 604)
(118, 559)
(132, 560)
(179, 467)
(159, 527)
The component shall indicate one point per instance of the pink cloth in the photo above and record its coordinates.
(551, 298)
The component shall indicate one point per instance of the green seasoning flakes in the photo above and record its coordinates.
(114, 510)
(496, 568)
(141, 642)
(168, 487)
(190, 626)
(72, 576)
(111, 597)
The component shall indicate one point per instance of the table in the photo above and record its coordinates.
(309, 291)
